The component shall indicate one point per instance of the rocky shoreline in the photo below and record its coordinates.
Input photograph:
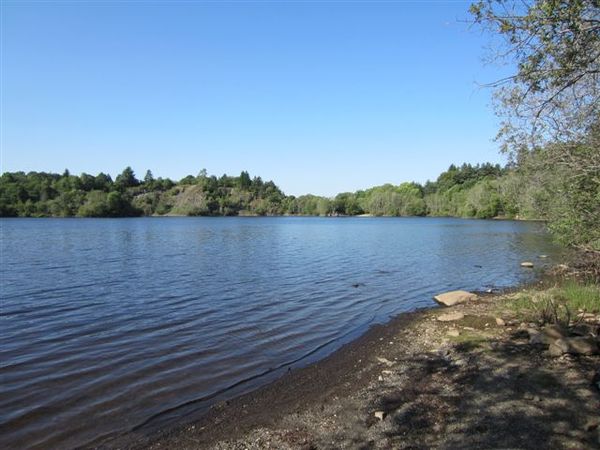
(473, 375)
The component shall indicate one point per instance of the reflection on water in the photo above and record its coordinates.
(112, 325)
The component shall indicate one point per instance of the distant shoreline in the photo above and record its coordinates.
(340, 216)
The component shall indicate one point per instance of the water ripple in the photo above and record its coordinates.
(112, 325)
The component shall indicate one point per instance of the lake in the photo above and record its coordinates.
(110, 326)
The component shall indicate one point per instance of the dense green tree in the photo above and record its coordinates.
(188, 180)
(67, 203)
(103, 182)
(346, 204)
(95, 205)
(86, 182)
(389, 200)
(245, 182)
(126, 179)
(148, 178)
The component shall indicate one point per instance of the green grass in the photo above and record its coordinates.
(580, 296)
(559, 304)
(523, 304)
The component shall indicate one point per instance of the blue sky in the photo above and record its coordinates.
(321, 97)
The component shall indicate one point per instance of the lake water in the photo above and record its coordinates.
(114, 325)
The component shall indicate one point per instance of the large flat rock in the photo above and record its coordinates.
(454, 297)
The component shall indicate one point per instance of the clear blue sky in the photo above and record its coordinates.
(321, 97)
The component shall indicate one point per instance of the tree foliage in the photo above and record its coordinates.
(551, 108)
(554, 94)
(41, 194)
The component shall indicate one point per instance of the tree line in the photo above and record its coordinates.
(466, 191)
(528, 190)
(481, 191)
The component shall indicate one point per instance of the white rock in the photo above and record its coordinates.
(500, 322)
(451, 317)
(558, 347)
(379, 414)
(455, 297)
(587, 316)
(385, 361)
(528, 264)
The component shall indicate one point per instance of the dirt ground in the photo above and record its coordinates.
(416, 382)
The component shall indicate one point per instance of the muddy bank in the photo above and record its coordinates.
(474, 380)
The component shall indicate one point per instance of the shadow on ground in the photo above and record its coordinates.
(490, 395)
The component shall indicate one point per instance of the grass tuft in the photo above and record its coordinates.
(579, 296)
(559, 304)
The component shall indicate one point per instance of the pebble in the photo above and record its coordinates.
(530, 396)
(558, 347)
(379, 414)
(500, 322)
(385, 361)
